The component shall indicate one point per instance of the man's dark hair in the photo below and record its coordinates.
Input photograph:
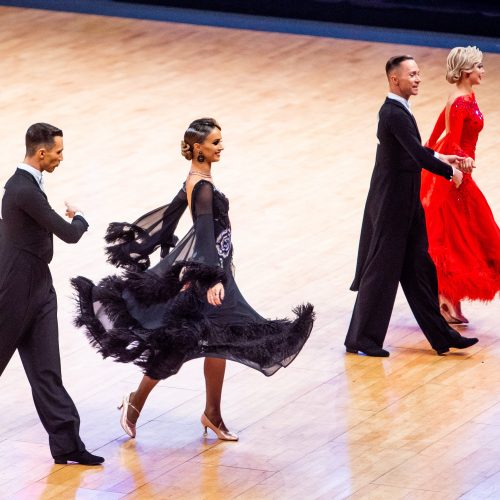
(40, 135)
(394, 62)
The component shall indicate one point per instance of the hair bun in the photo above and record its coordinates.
(453, 75)
(186, 150)
(461, 60)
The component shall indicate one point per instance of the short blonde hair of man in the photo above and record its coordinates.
(462, 60)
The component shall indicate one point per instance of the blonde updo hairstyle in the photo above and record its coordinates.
(197, 132)
(461, 60)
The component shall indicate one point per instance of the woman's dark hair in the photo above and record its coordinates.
(41, 135)
(394, 62)
(197, 132)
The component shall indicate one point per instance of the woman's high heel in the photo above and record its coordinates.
(221, 434)
(458, 313)
(126, 424)
(450, 312)
(446, 314)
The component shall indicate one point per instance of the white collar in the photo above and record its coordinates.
(400, 99)
(33, 171)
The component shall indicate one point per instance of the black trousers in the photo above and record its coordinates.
(28, 322)
(399, 258)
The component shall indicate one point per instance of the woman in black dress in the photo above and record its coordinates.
(188, 305)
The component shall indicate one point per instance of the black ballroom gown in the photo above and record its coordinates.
(159, 317)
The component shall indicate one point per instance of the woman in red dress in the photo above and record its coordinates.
(464, 239)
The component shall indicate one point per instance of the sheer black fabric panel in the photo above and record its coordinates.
(129, 245)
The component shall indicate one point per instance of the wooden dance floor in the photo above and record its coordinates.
(298, 117)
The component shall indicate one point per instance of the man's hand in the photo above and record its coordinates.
(71, 209)
(215, 295)
(452, 160)
(456, 162)
(457, 177)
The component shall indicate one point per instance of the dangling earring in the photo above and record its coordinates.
(200, 157)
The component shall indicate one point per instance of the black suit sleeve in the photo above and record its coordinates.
(403, 129)
(34, 203)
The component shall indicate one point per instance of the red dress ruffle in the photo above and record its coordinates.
(464, 239)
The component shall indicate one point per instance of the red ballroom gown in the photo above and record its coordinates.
(464, 239)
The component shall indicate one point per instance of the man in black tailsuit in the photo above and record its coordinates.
(393, 247)
(28, 304)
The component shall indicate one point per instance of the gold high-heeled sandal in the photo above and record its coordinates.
(220, 433)
(126, 424)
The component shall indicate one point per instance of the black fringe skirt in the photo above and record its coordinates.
(138, 318)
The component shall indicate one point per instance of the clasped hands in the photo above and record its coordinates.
(462, 164)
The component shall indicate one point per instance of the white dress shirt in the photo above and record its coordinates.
(400, 99)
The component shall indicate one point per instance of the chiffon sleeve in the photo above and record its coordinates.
(439, 128)
(130, 245)
(204, 265)
(205, 251)
(456, 119)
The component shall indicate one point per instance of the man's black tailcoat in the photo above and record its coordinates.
(393, 246)
(28, 304)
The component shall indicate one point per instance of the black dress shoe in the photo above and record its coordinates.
(376, 352)
(463, 342)
(442, 351)
(80, 457)
(458, 343)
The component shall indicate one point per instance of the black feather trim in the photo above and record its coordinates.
(120, 256)
(109, 292)
(123, 232)
(266, 346)
(148, 288)
(124, 242)
(305, 315)
(125, 344)
(186, 331)
(85, 312)
(206, 276)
